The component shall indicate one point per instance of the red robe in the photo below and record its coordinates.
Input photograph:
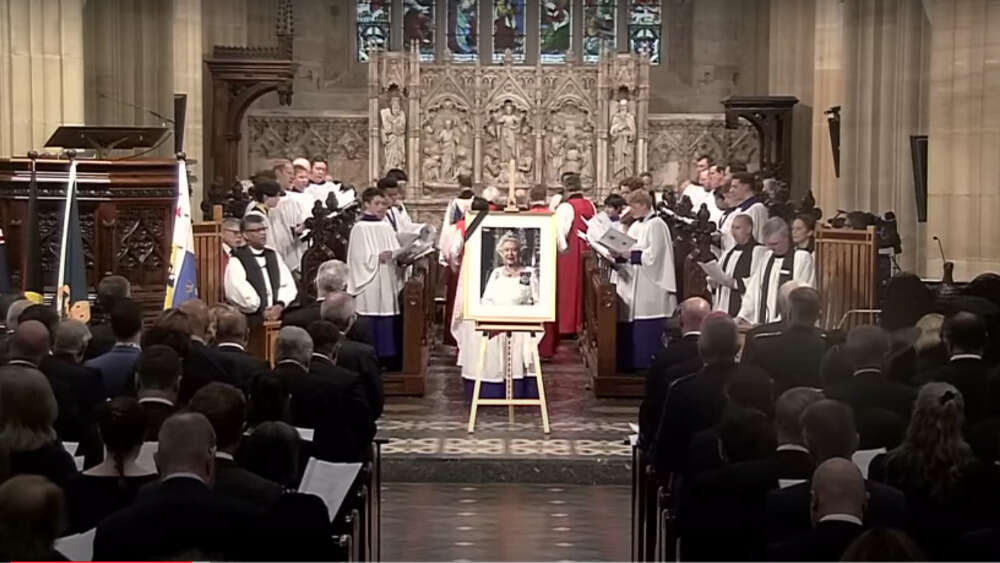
(452, 289)
(548, 343)
(569, 268)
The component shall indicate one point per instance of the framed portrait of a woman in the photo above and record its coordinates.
(512, 273)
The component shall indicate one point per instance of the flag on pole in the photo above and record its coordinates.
(71, 293)
(4, 270)
(182, 282)
(31, 269)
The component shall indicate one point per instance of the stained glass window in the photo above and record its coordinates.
(418, 25)
(598, 27)
(644, 28)
(555, 24)
(508, 29)
(373, 26)
(463, 25)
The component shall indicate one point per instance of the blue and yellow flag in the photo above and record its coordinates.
(182, 281)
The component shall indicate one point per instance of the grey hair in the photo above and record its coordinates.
(231, 223)
(338, 308)
(785, 290)
(72, 337)
(775, 226)
(294, 343)
(331, 276)
(15, 310)
(253, 219)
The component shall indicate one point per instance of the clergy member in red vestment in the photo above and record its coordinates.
(570, 217)
(452, 215)
(537, 203)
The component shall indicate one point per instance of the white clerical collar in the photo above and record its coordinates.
(231, 345)
(158, 400)
(224, 455)
(867, 370)
(841, 518)
(199, 340)
(184, 475)
(128, 345)
(966, 357)
(792, 448)
(22, 363)
(691, 333)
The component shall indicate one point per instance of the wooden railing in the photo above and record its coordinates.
(846, 262)
(598, 340)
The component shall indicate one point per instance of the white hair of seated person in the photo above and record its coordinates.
(331, 277)
(338, 308)
(72, 337)
(294, 343)
(784, 291)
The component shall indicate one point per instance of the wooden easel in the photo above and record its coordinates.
(505, 331)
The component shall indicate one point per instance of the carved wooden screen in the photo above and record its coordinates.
(845, 274)
(208, 259)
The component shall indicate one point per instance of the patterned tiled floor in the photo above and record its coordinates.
(510, 522)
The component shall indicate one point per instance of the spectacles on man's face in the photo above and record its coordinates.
(261, 230)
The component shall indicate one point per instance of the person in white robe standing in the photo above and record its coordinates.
(376, 278)
(646, 282)
(778, 264)
(320, 187)
(395, 213)
(737, 263)
(743, 198)
(256, 280)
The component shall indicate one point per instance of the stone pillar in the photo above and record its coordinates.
(883, 42)
(827, 91)
(791, 73)
(41, 71)
(189, 79)
(963, 166)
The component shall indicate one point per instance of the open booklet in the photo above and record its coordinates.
(78, 547)
(415, 243)
(714, 271)
(329, 481)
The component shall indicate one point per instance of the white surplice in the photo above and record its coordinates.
(238, 291)
(648, 290)
(284, 218)
(319, 192)
(752, 207)
(375, 285)
(753, 300)
(728, 260)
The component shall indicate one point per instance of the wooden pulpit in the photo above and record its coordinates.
(126, 215)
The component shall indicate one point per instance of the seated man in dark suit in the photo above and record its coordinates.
(78, 389)
(722, 521)
(225, 408)
(964, 337)
(231, 335)
(696, 402)
(839, 501)
(829, 431)
(681, 355)
(866, 348)
(216, 366)
(181, 514)
(110, 290)
(354, 355)
(117, 365)
(158, 374)
(791, 355)
(331, 277)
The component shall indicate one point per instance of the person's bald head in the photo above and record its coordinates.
(693, 313)
(829, 431)
(784, 291)
(964, 333)
(802, 306)
(338, 308)
(867, 346)
(197, 313)
(838, 488)
(187, 445)
(30, 342)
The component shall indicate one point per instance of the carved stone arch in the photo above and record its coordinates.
(447, 133)
(569, 129)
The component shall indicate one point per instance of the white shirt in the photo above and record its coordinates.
(319, 192)
(754, 302)
(752, 207)
(792, 448)
(565, 215)
(240, 293)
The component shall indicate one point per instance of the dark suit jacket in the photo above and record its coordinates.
(826, 542)
(980, 545)
(360, 358)
(156, 412)
(303, 524)
(51, 461)
(232, 481)
(78, 391)
(786, 513)
(244, 367)
(791, 356)
(202, 366)
(117, 366)
(659, 376)
(331, 400)
(971, 377)
(180, 516)
(693, 404)
(102, 340)
(868, 390)
(304, 315)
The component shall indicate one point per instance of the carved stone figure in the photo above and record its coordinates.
(394, 135)
(447, 139)
(622, 132)
(508, 129)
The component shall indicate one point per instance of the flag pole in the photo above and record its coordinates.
(70, 188)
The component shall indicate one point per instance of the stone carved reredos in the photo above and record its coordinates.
(676, 139)
(342, 140)
(569, 140)
(446, 141)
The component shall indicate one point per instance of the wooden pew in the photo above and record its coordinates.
(846, 266)
(598, 340)
(417, 303)
(208, 258)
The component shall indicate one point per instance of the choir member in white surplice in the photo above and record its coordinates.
(737, 263)
(743, 198)
(256, 280)
(319, 187)
(778, 264)
(646, 283)
(395, 213)
(510, 284)
(375, 277)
